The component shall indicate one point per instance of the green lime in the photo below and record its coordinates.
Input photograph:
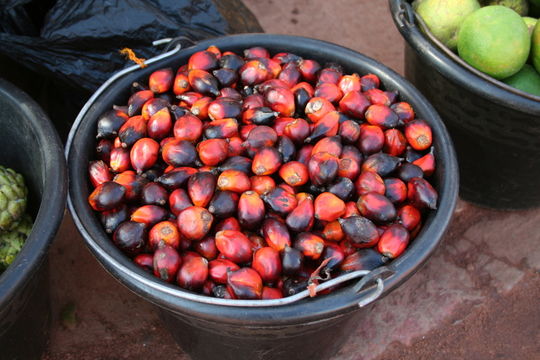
(527, 79)
(519, 6)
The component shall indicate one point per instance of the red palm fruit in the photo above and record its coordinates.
(149, 214)
(280, 123)
(107, 196)
(317, 107)
(294, 173)
(208, 287)
(292, 260)
(322, 168)
(347, 247)
(371, 139)
(230, 223)
(145, 261)
(233, 180)
(260, 115)
(256, 52)
(404, 111)
(343, 188)
(188, 127)
(349, 131)
(193, 273)
(328, 125)
(409, 217)
(396, 190)
(235, 145)
(231, 93)
(266, 161)
(290, 74)
(369, 81)
(302, 196)
(218, 269)
(120, 160)
(271, 84)
(224, 204)
(200, 188)
(411, 154)
(250, 210)
(331, 145)
(230, 60)
(181, 84)
(304, 154)
(194, 222)
(154, 194)
(426, 163)
(309, 69)
(269, 293)
(203, 60)
(164, 233)
(261, 136)
(329, 91)
(376, 207)
(161, 80)
(109, 124)
(421, 194)
(335, 253)
(222, 108)
(214, 50)
(137, 100)
(393, 241)
(302, 217)
(395, 142)
(176, 177)
(275, 234)
(280, 100)
(245, 283)
(297, 130)
(144, 154)
(332, 73)
(257, 242)
(273, 67)
(280, 200)
(152, 106)
(381, 115)
(360, 232)
(349, 83)
(239, 163)
(301, 99)
(132, 130)
(252, 101)
(160, 124)
(381, 163)
(418, 134)
(189, 98)
(166, 263)
(363, 259)
(348, 168)
(200, 107)
(253, 72)
(369, 181)
(354, 104)
(225, 77)
(206, 247)
(132, 182)
(351, 209)
(262, 184)
(332, 231)
(378, 97)
(234, 245)
(203, 82)
(178, 152)
(328, 207)
(130, 237)
(99, 172)
(286, 148)
(103, 150)
(285, 57)
(221, 129)
(310, 245)
(407, 171)
(288, 188)
(267, 262)
(213, 151)
(110, 219)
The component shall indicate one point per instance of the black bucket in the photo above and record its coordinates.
(495, 128)
(209, 328)
(30, 145)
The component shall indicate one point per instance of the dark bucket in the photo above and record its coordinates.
(495, 128)
(29, 144)
(206, 329)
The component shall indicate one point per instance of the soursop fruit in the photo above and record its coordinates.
(12, 241)
(12, 198)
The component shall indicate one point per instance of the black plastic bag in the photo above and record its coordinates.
(61, 51)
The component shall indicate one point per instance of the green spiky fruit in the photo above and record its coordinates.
(12, 197)
(11, 242)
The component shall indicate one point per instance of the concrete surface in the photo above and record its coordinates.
(476, 298)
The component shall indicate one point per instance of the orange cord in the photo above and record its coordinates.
(131, 56)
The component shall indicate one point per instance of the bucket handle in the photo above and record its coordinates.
(377, 276)
(405, 14)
